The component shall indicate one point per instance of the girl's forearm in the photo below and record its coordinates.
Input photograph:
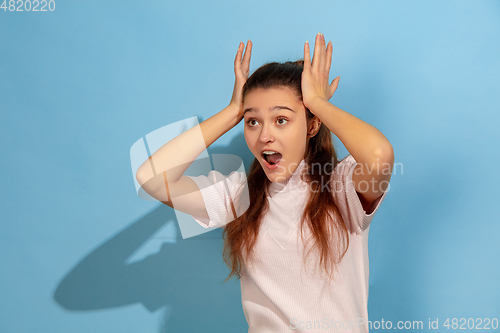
(364, 142)
(175, 156)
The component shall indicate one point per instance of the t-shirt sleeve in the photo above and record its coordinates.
(347, 200)
(221, 195)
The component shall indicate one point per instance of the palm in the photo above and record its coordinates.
(315, 75)
(241, 71)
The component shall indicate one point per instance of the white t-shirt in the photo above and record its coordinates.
(278, 292)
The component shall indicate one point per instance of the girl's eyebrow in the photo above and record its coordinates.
(274, 108)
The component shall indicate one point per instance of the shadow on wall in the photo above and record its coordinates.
(185, 277)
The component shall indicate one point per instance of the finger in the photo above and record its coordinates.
(322, 53)
(246, 58)
(307, 56)
(334, 85)
(315, 59)
(237, 59)
(329, 51)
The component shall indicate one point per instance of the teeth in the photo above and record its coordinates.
(269, 152)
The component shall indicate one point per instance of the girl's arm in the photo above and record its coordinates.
(369, 147)
(161, 176)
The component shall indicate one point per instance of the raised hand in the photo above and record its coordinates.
(241, 71)
(315, 76)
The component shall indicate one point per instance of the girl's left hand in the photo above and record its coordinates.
(315, 76)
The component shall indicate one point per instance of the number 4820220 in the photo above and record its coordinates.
(28, 5)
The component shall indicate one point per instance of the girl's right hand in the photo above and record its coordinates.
(241, 71)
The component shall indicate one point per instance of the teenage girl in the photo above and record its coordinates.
(300, 245)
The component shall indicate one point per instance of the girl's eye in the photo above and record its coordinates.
(284, 119)
(280, 121)
(249, 122)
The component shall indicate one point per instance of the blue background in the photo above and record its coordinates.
(81, 252)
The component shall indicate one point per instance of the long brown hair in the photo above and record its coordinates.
(329, 232)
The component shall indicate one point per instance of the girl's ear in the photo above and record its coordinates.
(313, 127)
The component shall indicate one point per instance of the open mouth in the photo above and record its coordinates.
(271, 157)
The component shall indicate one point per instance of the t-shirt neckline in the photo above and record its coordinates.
(289, 184)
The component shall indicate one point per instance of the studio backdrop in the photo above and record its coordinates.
(87, 87)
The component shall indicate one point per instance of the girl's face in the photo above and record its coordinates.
(275, 121)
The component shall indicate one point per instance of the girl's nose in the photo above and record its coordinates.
(266, 135)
